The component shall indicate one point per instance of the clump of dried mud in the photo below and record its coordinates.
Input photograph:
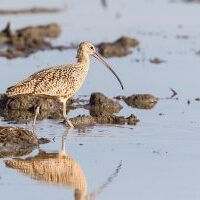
(28, 40)
(102, 109)
(33, 10)
(17, 141)
(141, 101)
(120, 47)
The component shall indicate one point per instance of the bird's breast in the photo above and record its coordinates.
(75, 80)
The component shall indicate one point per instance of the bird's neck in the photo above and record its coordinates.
(83, 58)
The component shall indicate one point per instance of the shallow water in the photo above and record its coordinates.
(160, 155)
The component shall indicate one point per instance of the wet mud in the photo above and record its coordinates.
(22, 108)
(104, 3)
(100, 105)
(102, 111)
(101, 108)
(156, 61)
(120, 47)
(17, 135)
(33, 10)
(192, 1)
(18, 151)
(17, 141)
(28, 40)
(182, 37)
(85, 120)
(141, 101)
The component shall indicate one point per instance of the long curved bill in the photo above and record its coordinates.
(98, 57)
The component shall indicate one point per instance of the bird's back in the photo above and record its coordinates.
(53, 81)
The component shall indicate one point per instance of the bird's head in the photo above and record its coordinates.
(87, 49)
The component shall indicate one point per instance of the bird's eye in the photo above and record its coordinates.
(92, 47)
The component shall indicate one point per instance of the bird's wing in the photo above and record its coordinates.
(38, 83)
(54, 82)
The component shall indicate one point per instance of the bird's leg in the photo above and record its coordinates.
(37, 111)
(65, 114)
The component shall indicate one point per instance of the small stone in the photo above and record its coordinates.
(141, 101)
(156, 61)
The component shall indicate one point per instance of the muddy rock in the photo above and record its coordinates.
(39, 32)
(30, 35)
(100, 105)
(198, 52)
(43, 140)
(141, 101)
(113, 119)
(17, 141)
(14, 53)
(16, 151)
(28, 116)
(117, 48)
(156, 61)
(17, 136)
(28, 102)
(127, 42)
(82, 120)
(192, 1)
(183, 37)
(197, 99)
(85, 120)
(28, 40)
(104, 3)
(102, 111)
(110, 50)
(132, 120)
(33, 10)
(22, 108)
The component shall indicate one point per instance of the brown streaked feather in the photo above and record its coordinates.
(23, 87)
(57, 81)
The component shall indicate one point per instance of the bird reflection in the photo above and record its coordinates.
(54, 168)
(59, 169)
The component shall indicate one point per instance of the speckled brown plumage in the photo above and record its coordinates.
(59, 81)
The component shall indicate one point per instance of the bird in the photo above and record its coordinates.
(60, 81)
(55, 168)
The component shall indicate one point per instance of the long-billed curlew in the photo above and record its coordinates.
(62, 81)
